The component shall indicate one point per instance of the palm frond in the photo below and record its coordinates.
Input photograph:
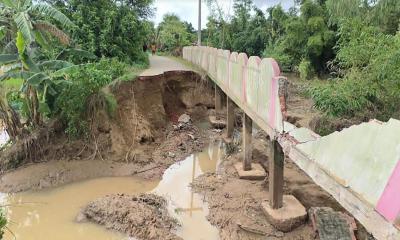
(75, 52)
(53, 30)
(54, 65)
(8, 58)
(52, 12)
(8, 3)
(29, 63)
(12, 67)
(15, 74)
(66, 70)
(37, 79)
(10, 47)
(25, 4)
(41, 39)
(24, 25)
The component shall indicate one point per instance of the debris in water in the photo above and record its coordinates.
(143, 216)
(332, 225)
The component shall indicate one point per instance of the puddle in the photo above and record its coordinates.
(50, 214)
(189, 208)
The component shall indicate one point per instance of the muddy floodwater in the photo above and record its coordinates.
(51, 213)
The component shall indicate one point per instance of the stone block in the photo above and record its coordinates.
(292, 215)
(257, 172)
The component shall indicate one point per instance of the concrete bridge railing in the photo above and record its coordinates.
(359, 166)
(254, 84)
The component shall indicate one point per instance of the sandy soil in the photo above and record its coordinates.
(144, 216)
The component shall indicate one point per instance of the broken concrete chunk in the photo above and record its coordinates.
(332, 225)
(184, 118)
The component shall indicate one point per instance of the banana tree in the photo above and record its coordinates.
(29, 19)
(23, 23)
(43, 81)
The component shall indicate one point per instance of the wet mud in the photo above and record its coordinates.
(191, 191)
(143, 216)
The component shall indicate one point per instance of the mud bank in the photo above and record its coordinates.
(142, 138)
(143, 216)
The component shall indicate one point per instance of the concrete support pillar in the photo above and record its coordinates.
(230, 117)
(218, 101)
(276, 163)
(247, 148)
(284, 212)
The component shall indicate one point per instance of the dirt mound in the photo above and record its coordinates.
(144, 216)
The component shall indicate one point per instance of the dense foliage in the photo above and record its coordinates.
(173, 34)
(110, 28)
(353, 42)
(52, 57)
(75, 102)
(291, 37)
(367, 65)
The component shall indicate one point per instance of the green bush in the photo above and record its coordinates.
(341, 97)
(3, 223)
(85, 83)
(110, 28)
(306, 70)
(370, 62)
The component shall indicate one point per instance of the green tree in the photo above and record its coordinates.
(306, 37)
(24, 25)
(31, 20)
(110, 28)
(173, 33)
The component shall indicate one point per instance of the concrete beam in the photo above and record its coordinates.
(230, 117)
(218, 101)
(247, 148)
(276, 163)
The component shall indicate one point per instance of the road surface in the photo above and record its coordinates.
(159, 65)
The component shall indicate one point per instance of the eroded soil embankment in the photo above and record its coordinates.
(143, 136)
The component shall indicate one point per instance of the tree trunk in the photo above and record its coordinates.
(34, 105)
(11, 121)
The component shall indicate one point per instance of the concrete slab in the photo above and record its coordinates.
(292, 215)
(220, 123)
(257, 172)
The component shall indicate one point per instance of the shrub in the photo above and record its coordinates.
(86, 82)
(3, 223)
(306, 70)
(341, 97)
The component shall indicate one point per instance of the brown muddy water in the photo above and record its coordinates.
(51, 213)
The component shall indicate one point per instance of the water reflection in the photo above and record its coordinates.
(188, 207)
(50, 214)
